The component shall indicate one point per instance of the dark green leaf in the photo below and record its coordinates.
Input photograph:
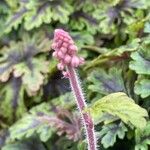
(110, 132)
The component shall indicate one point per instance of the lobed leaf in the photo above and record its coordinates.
(110, 132)
(120, 105)
(142, 138)
(29, 144)
(139, 64)
(106, 83)
(142, 87)
(20, 59)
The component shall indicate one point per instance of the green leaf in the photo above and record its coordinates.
(83, 20)
(141, 58)
(120, 105)
(15, 19)
(116, 54)
(66, 100)
(31, 125)
(113, 13)
(4, 12)
(44, 120)
(142, 87)
(83, 37)
(147, 27)
(20, 59)
(12, 105)
(142, 138)
(28, 144)
(35, 13)
(12, 3)
(106, 83)
(139, 64)
(110, 132)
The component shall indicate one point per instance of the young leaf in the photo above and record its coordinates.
(120, 105)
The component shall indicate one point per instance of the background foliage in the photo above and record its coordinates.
(37, 109)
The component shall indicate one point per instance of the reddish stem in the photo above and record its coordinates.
(80, 100)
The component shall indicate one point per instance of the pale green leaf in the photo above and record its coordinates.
(142, 138)
(142, 87)
(139, 64)
(120, 105)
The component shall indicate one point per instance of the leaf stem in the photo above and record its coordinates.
(80, 100)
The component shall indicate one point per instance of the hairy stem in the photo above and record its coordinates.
(80, 100)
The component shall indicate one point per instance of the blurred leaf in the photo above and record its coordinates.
(106, 83)
(12, 99)
(112, 14)
(139, 64)
(82, 38)
(65, 144)
(44, 120)
(3, 137)
(20, 59)
(83, 20)
(12, 3)
(30, 144)
(143, 138)
(4, 12)
(64, 99)
(30, 125)
(147, 27)
(120, 105)
(117, 54)
(142, 87)
(35, 13)
(110, 132)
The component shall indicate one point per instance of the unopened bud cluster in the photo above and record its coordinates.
(65, 50)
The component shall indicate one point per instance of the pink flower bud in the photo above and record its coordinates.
(60, 54)
(81, 60)
(54, 54)
(65, 74)
(59, 43)
(72, 49)
(75, 61)
(71, 42)
(67, 59)
(63, 49)
(60, 66)
(61, 37)
(66, 40)
(58, 32)
(65, 45)
(54, 45)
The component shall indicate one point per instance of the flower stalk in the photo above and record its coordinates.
(65, 52)
(80, 100)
